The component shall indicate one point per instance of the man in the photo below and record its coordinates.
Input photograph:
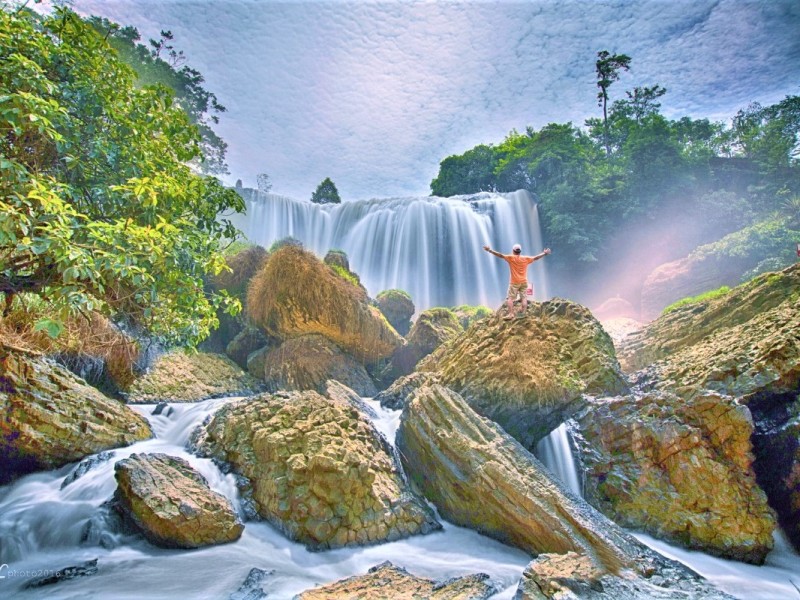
(518, 265)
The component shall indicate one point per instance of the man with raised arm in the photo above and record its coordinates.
(518, 265)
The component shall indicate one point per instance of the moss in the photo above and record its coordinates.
(393, 294)
(345, 274)
(287, 241)
(721, 291)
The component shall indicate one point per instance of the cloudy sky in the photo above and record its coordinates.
(375, 94)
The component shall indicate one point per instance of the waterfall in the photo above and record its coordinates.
(430, 247)
(556, 454)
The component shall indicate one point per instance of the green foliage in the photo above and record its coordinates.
(345, 274)
(468, 173)
(393, 294)
(287, 241)
(161, 64)
(326, 193)
(699, 298)
(99, 209)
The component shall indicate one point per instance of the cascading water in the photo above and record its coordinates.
(430, 247)
(555, 453)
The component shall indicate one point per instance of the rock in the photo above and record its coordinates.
(308, 362)
(480, 477)
(679, 469)
(388, 581)
(296, 294)
(160, 408)
(251, 588)
(529, 374)
(467, 315)
(316, 468)
(398, 308)
(396, 395)
(256, 362)
(745, 344)
(244, 344)
(340, 392)
(432, 328)
(86, 465)
(84, 569)
(337, 257)
(242, 266)
(574, 576)
(172, 504)
(51, 417)
(180, 377)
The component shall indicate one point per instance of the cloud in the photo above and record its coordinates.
(375, 94)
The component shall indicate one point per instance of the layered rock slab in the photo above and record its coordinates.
(316, 469)
(172, 504)
(529, 374)
(479, 477)
(52, 417)
(388, 581)
(679, 469)
(432, 328)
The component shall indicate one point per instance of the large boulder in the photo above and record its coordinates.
(388, 581)
(529, 374)
(308, 362)
(296, 294)
(247, 341)
(51, 417)
(172, 504)
(181, 377)
(574, 576)
(745, 344)
(678, 469)
(396, 395)
(398, 308)
(480, 477)
(432, 328)
(316, 468)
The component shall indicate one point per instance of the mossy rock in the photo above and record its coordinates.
(467, 314)
(398, 308)
(181, 377)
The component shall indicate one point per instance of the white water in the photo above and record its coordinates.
(555, 453)
(430, 247)
(41, 526)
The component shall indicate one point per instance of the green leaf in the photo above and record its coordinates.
(51, 327)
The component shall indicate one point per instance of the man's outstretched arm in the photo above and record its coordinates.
(490, 251)
(542, 254)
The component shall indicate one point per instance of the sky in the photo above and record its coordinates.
(375, 94)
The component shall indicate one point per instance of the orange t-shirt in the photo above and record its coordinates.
(518, 266)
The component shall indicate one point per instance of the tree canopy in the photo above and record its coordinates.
(99, 208)
(326, 193)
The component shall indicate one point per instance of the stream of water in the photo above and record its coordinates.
(41, 527)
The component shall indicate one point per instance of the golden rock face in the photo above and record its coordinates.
(52, 417)
(172, 503)
(180, 377)
(318, 470)
(528, 374)
(297, 294)
(680, 469)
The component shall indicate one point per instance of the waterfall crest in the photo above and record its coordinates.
(430, 247)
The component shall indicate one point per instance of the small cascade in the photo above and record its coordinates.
(556, 454)
(430, 247)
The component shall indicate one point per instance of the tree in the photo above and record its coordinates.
(467, 173)
(99, 210)
(263, 182)
(641, 102)
(607, 68)
(326, 193)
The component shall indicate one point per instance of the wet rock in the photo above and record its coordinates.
(480, 477)
(340, 392)
(82, 570)
(388, 581)
(244, 344)
(398, 308)
(317, 469)
(251, 587)
(51, 417)
(573, 576)
(86, 465)
(180, 377)
(679, 469)
(529, 374)
(396, 395)
(160, 408)
(296, 294)
(308, 362)
(172, 504)
(432, 328)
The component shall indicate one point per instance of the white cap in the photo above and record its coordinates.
(516, 247)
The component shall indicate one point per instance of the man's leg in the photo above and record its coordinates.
(510, 302)
(524, 303)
